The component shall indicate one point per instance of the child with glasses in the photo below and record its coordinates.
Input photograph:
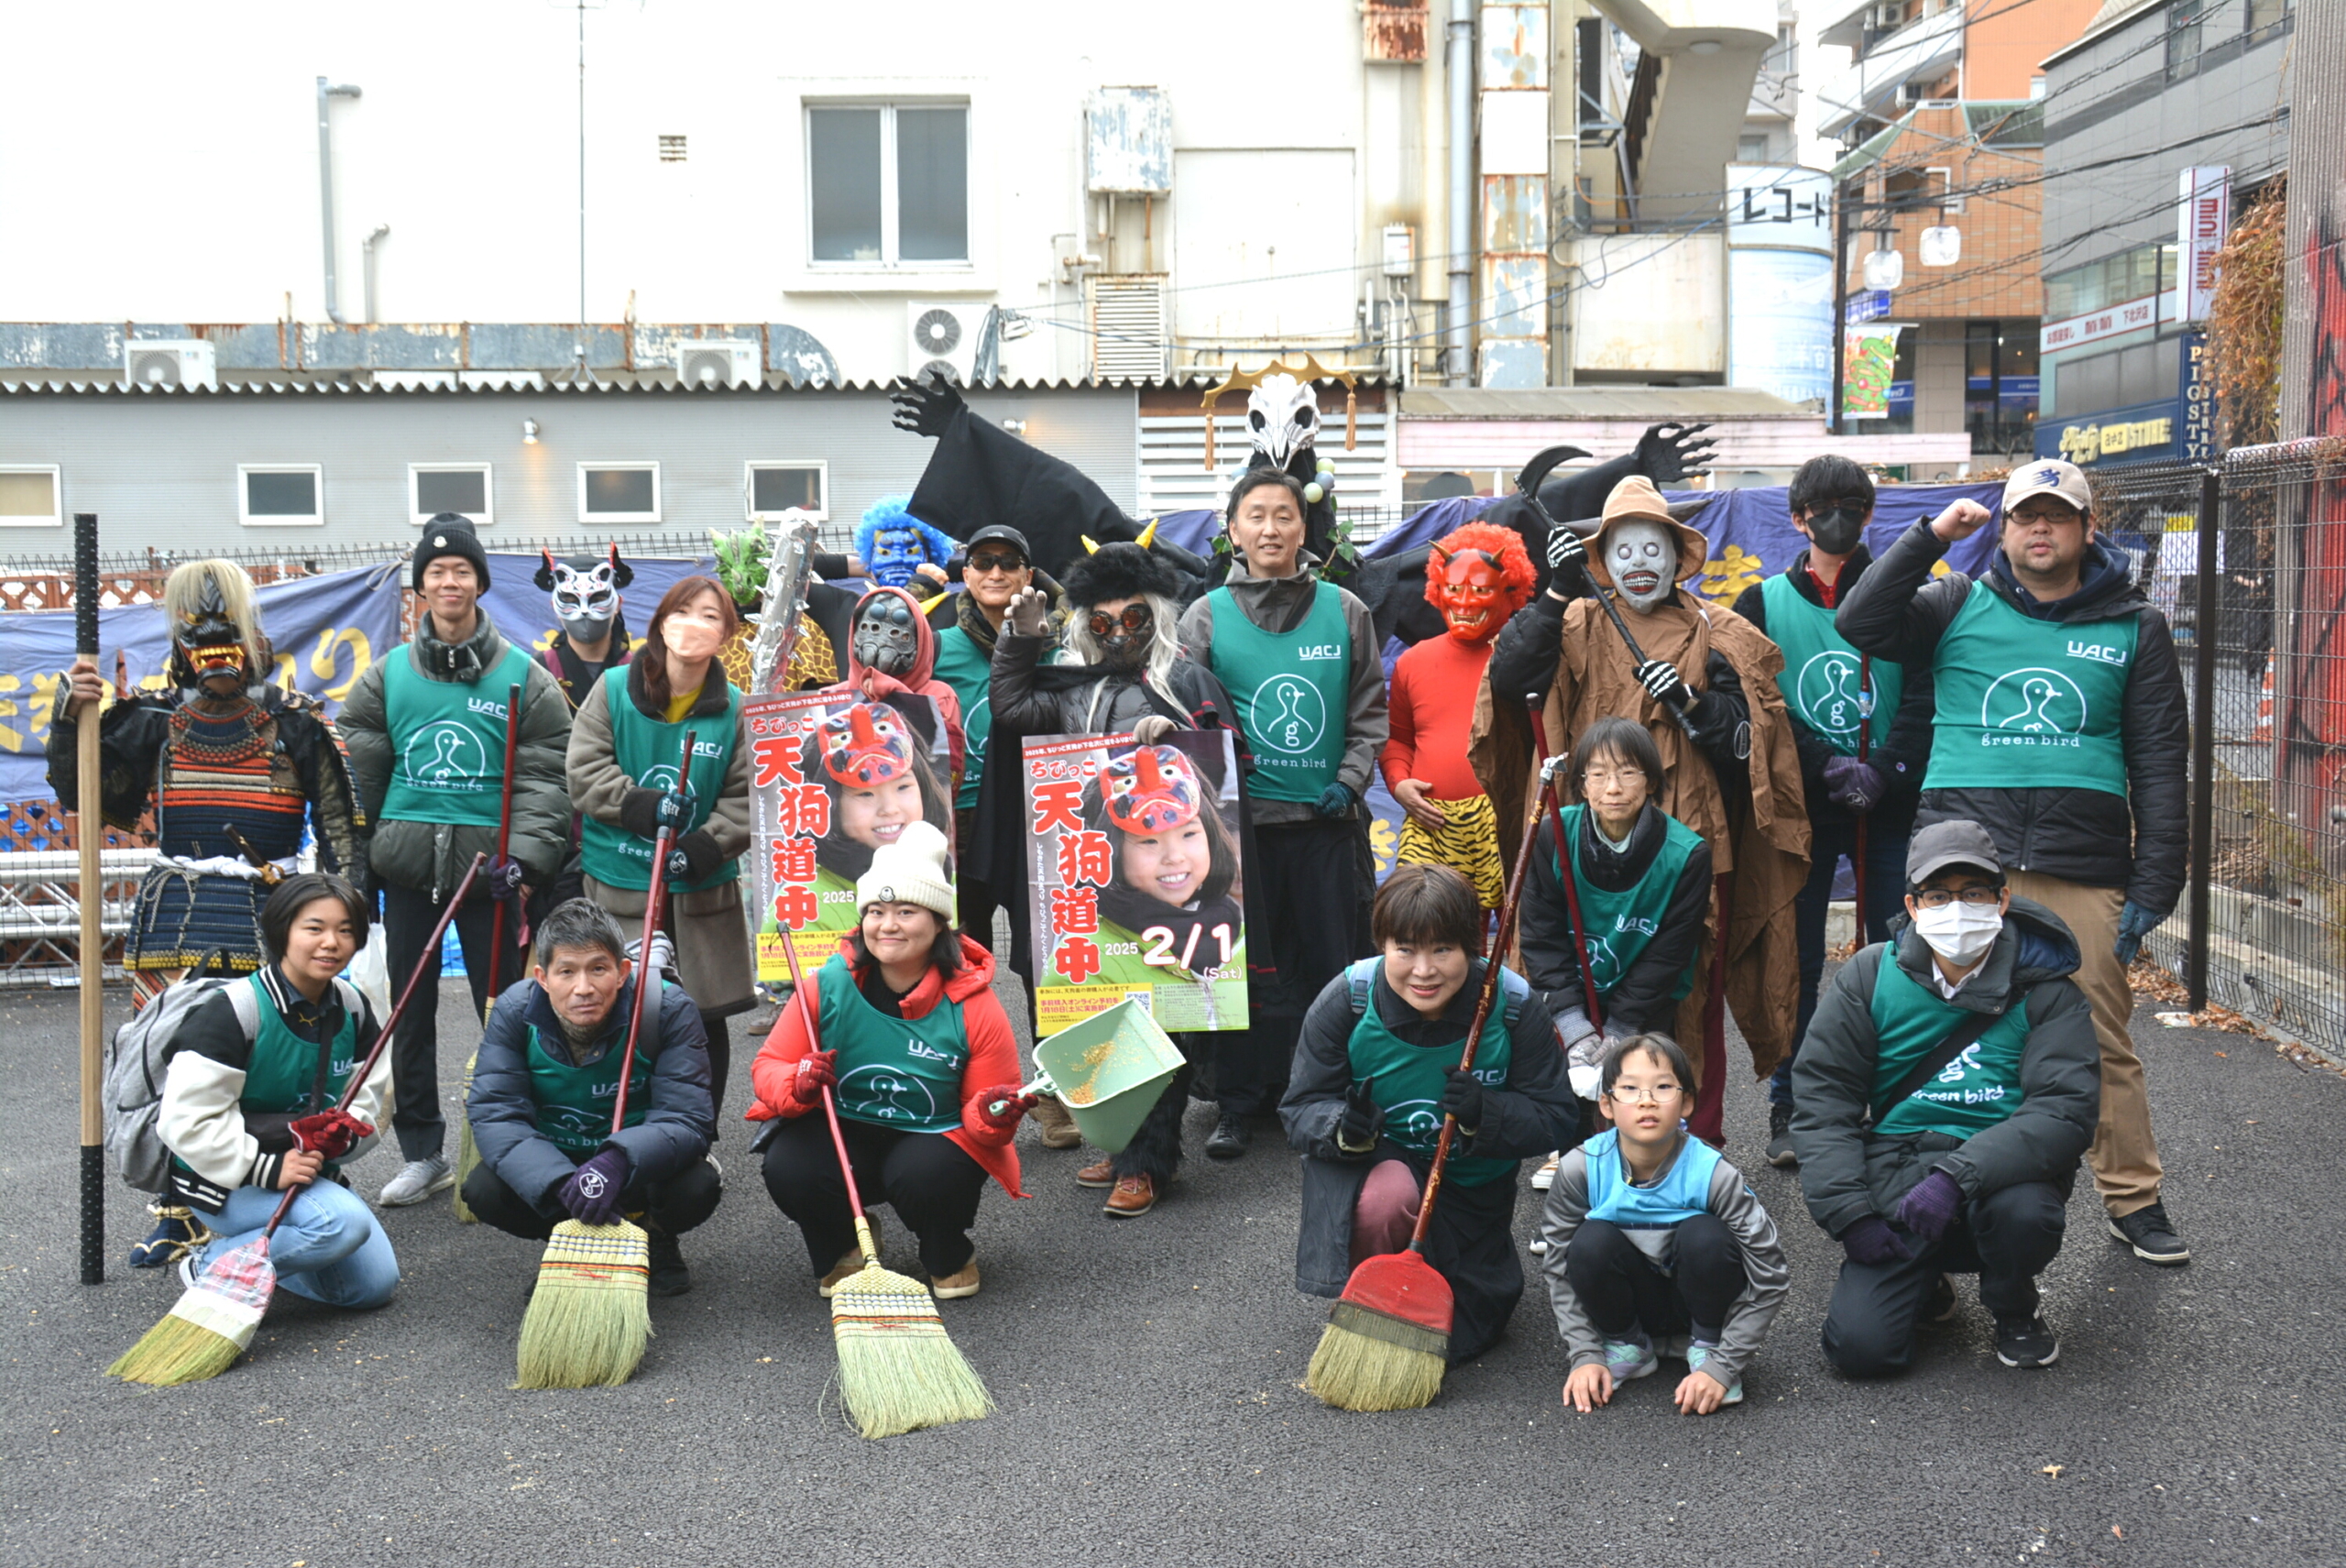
(1656, 1245)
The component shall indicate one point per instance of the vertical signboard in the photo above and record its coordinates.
(2204, 216)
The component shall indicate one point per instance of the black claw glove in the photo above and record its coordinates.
(1668, 453)
(1664, 684)
(1364, 1118)
(1568, 562)
(1461, 1096)
(924, 408)
(695, 856)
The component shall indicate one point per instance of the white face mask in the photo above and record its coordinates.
(1960, 933)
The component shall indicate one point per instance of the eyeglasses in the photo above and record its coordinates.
(984, 564)
(1976, 895)
(1136, 617)
(1660, 1094)
(1602, 775)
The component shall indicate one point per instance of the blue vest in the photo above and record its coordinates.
(1684, 1191)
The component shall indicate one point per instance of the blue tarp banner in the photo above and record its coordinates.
(525, 615)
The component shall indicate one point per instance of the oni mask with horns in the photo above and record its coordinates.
(585, 592)
(1478, 578)
(215, 625)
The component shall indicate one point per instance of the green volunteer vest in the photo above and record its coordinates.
(903, 1073)
(647, 750)
(963, 665)
(1821, 677)
(283, 1072)
(1292, 690)
(1406, 1081)
(1621, 923)
(574, 1103)
(450, 737)
(2029, 704)
(1979, 1089)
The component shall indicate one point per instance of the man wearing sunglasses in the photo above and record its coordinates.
(1946, 1090)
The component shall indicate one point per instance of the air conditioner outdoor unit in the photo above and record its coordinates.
(943, 337)
(718, 362)
(170, 362)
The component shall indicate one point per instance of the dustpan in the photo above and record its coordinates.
(1109, 1071)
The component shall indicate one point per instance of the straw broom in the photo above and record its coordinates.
(214, 1320)
(591, 1317)
(468, 1152)
(1388, 1339)
(899, 1370)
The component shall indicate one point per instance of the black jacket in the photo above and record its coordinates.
(1903, 754)
(1642, 1000)
(1846, 1172)
(1897, 613)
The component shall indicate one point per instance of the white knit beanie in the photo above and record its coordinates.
(910, 871)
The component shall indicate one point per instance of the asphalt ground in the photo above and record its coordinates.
(1148, 1377)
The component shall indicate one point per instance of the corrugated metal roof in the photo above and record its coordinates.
(1597, 403)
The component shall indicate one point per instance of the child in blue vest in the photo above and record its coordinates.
(1654, 1240)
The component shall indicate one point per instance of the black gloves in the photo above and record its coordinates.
(924, 408)
(1568, 560)
(640, 812)
(1364, 1118)
(1335, 802)
(693, 856)
(1664, 684)
(1462, 1097)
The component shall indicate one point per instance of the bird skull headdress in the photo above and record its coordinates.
(585, 592)
(215, 625)
(1282, 418)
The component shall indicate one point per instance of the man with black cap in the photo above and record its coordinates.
(1941, 1103)
(426, 730)
(995, 566)
(2061, 729)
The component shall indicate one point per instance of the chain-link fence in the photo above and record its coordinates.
(2247, 557)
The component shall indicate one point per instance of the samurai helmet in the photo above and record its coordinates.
(585, 591)
(1150, 790)
(864, 746)
(214, 622)
(1282, 418)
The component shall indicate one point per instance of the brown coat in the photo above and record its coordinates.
(1761, 845)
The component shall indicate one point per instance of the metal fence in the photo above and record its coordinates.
(2247, 557)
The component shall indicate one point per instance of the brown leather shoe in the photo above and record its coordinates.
(849, 1261)
(1132, 1195)
(1057, 1126)
(1101, 1172)
(953, 1287)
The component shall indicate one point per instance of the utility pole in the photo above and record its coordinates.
(1840, 300)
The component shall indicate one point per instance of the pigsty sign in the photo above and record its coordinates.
(1133, 854)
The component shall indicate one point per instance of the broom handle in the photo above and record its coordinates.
(1483, 1002)
(504, 831)
(1565, 874)
(358, 1079)
(830, 1106)
(643, 978)
(1865, 734)
(89, 840)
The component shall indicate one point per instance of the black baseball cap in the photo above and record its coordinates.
(1001, 533)
(1958, 843)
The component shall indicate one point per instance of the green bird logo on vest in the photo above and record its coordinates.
(1294, 716)
(886, 1095)
(1828, 697)
(444, 756)
(2034, 702)
(1415, 1122)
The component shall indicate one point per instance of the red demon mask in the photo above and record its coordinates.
(1478, 578)
(864, 746)
(1149, 791)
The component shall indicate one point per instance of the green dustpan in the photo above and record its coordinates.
(1109, 1071)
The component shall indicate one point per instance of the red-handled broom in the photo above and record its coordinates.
(468, 1152)
(214, 1320)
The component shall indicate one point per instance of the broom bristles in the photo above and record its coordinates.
(1355, 1371)
(591, 1317)
(467, 1152)
(899, 1370)
(210, 1325)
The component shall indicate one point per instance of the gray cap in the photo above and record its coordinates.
(1945, 844)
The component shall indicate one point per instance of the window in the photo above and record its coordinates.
(769, 490)
(460, 487)
(1999, 385)
(2134, 274)
(1751, 149)
(2119, 377)
(618, 492)
(279, 495)
(28, 496)
(1784, 58)
(2265, 18)
(2185, 22)
(888, 184)
(672, 149)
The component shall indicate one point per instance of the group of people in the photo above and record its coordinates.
(2000, 760)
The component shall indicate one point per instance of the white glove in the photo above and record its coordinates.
(1029, 613)
(1151, 729)
(1584, 1063)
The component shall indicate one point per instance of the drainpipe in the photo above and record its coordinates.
(1460, 70)
(325, 187)
(367, 251)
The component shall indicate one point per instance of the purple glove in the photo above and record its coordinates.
(504, 877)
(1927, 1210)
(592, 1193)
(1855, 785)
(1872, 1241)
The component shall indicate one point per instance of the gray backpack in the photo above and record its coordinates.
(135, 1065)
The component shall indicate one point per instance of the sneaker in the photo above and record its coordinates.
(1133, 1196)
(1057, 1127)
(1101, 1172)
(2025, 1341)
(1229, 1139)
(1545, 1177)
(669, 1275)
(1780, 1137)
(1942, 1306)
(1696, 1354)
(416, 1181)
(1537, 1246)
(954, 1286)
(177, 1232)
(2152, 1237)
(1628, 1359)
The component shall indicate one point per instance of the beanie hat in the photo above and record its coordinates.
(448, 533)
(910, 871)
(1119, 571)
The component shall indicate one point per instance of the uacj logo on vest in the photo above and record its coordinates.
(1829, 696)
(447, 757)
(1289, 715)
(2035, 707)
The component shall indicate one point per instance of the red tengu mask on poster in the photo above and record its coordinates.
(865, 747)
(1478, 578)
(1150, 790)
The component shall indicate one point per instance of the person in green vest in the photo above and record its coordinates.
(1643, 880)
(918, 1054)
(547, 1080)
(1376, 1070)
(1947, 1090)
(625, 745)
(1861, 725)
(1302, 664)
(425, 726)
(2061, 730)
(251, 1084)
(996, 567)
